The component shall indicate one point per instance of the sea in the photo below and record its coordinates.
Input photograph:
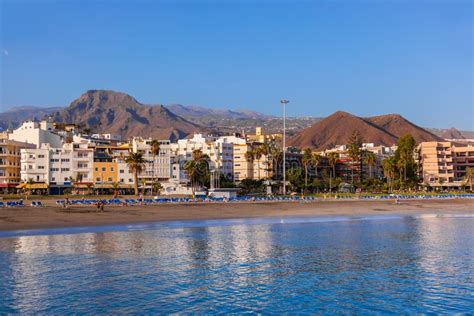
(293, 265)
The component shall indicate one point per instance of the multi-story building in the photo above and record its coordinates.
(219, 151)
(37, 133)
(58, 168)
(10, 162)
(157, 167)
(444, 164)
(261, 137)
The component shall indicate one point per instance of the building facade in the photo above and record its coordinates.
(10, 162)
(444, 164)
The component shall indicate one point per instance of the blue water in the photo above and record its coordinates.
(294, 265)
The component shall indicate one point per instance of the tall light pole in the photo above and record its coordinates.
(284, 102)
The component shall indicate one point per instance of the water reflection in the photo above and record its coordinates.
(409, 264)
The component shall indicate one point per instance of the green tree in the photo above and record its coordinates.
(136, 163)
(370, 160)
(277, 155)
(315, 161)
(306, 161)
(249, 186)
(405, 157)
(157, 187)
(332, 160)
(155, 151)
(197, 169)
(389, 170)
(295, 177)
(354, 152)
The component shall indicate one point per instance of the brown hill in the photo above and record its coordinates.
(397, 125)
(119, 113)
(452, 133)
(338, 127)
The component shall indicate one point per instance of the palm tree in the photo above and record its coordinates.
(315, 161)
(250, 157)
(155, 151)
(194, 168)
(389, 169)
(469, 175)
(354, 150)
(306, 160)
(277, 154)
(370, 160)
(332, 159)
(265, 150)
(136, 164)
(258, 152)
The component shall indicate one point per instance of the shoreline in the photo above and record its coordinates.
(52, 216)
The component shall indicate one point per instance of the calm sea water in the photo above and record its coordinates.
(363, 265)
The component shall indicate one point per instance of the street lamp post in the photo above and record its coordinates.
(284, 102)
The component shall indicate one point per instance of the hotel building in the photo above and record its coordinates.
(444, 164)
(10, 162)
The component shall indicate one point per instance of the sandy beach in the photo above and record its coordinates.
(52, 216)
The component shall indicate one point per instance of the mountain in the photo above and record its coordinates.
(118, 113)
(16, 115)
(338, 127)
(450, 133)
(397, 125)
(200, 111)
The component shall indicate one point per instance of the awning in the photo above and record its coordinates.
(32, 186)
(84, 185)
(103, 186)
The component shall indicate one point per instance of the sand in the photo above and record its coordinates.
(52, 216)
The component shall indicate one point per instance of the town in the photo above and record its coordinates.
(49, 158)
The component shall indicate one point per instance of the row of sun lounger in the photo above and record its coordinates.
(149, 201)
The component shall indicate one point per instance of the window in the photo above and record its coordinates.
(96, 169)
(122, 171)
(103, 168)
(97, 179)
(40, 156)
(53, 179)
(40, 167)
(111, 168)
(109, 179)
(130, 180)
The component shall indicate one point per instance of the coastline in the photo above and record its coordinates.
(52, 216)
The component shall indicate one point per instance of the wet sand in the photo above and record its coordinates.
(52, 216)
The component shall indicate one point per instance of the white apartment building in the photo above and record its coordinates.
(220, 154)
(37, 133)
(158, 167)
(56, 167)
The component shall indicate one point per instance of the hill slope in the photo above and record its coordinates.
(397, 125)
(338, 127)
(119, 113)
(16, 115)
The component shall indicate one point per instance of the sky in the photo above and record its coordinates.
(365, 57)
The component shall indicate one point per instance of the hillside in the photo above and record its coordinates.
(338, 127)
(15, 116)
(119, 113)
(397, 125)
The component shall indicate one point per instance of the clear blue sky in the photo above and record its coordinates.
(366, 57)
